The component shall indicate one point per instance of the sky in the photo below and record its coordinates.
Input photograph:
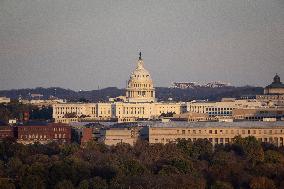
(89, 44)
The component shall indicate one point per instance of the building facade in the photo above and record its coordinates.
(140, 103)
(29, 134)
(6, 131)
(215, 132)
(273, 93)
(223, 108)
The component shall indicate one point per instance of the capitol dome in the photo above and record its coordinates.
(140, 86)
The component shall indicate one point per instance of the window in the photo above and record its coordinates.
(183, 132)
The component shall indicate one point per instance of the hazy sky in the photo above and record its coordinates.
(85, 44)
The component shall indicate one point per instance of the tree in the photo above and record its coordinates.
(98, 183)
(261, 183)
(6, 184)
(65, 184)
(250, 147)
(84, 184)
(221, 185)
(272, 156)
(202, 149)
(32, 182)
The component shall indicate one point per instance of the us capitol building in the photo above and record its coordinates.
(138, 103)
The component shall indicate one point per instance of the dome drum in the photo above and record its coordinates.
(140, 85)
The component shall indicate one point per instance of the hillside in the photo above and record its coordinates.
(162, 93)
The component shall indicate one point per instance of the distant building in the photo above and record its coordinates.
(275, 88)
(215, 132)
(41, 103)
(114, 136)
(139, 103)
(223, 108)
(217, 84)
(87, 135)
(258, 114)
(29, 134)
(273, 93)
(193, 85)
(4, 100)
(6, 131)
(12, 121)
(183, 85)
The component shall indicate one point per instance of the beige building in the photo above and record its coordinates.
(275, 88)
(258, 114)
(223, 108)
(215, 132)
(4, 99)
(273, 93)
(139, 103)
(114, 136)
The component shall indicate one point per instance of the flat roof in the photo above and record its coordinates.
(240, 124)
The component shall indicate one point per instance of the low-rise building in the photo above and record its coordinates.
(29, 134)
(223, 108)
(114, 136)
(258, 114)
(215, 132)
(6, 131)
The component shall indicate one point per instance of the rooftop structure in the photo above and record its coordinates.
(276, 87)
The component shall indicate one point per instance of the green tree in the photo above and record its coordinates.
(250, 147)
(202, 149)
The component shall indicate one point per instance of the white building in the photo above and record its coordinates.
(223, 108)
(140, 102)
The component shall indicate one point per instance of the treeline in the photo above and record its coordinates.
(245, 164)
(162, 93)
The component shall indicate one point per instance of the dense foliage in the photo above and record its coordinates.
(244, 164)
(15, 110)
